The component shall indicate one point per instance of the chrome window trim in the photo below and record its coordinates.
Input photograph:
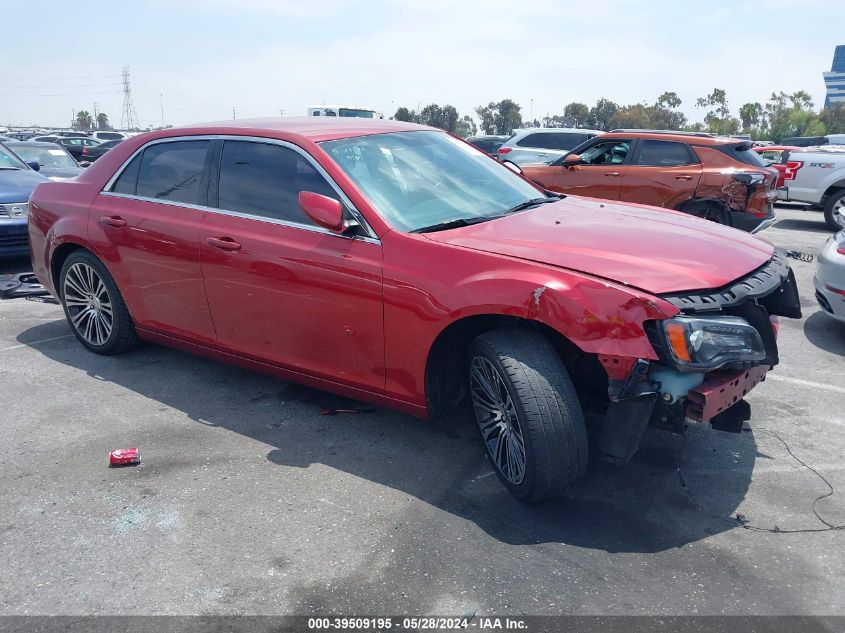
(247, 216)
(371, 236)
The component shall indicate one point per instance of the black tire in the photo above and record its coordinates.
(831, 218)
(121, 335)
(547, 411)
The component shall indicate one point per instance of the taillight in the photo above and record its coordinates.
(841, 251)
(836, 290)
(503, 150)
(791, 169)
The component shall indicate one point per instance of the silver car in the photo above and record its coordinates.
(534, 145)
(830, 277)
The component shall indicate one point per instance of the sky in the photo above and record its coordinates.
(197, 60)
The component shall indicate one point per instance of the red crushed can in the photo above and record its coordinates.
(124, 457)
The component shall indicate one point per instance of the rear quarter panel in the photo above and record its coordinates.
(58, 215)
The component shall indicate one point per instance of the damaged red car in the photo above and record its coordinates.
(395, 264)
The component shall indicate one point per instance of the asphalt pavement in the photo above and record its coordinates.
(249, 501)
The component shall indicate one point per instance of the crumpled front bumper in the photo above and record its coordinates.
(718, 394)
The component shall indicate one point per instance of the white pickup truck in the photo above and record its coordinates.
(816, 175)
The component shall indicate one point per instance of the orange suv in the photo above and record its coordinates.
(712, 177)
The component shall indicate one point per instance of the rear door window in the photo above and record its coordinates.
(173, 171)
(265, 180)
(664, 154)
(127, 182)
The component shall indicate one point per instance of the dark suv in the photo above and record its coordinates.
(716, 178)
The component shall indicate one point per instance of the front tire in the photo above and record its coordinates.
(832, 211)
(528, 413)
(94, 307)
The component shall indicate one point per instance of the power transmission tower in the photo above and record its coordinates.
(129, 118)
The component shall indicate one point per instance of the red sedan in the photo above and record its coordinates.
(396, 264)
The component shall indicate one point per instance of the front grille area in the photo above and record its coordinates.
(14, 241)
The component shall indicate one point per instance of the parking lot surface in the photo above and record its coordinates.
(249, 501)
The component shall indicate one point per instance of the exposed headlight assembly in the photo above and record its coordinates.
(704, 343)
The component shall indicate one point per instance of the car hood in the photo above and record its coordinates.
(60, 172)
(652, 249)
(16, 185)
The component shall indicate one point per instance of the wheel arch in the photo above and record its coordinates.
(58, 258)
(444, 369)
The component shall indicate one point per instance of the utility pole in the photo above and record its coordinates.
(281, 112)
(161, 101)
(96, 125)
(531, 116)
(128, 118)
(233, 113)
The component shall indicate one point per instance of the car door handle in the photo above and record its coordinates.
(223, 243)
(683, 177)
(113, 220)
(612, 173)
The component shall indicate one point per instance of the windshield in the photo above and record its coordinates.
(364, 114)
(420, 179)
(46, 156)
(8, 160)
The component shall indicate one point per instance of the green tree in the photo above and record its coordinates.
(432, 115)
(576, 114)
(103, 121)
(669, 100)
(83, 120)
(718, 119)
(466, 126)
(635, 116)
(752, 116)
(450, 118)
(833, 118)
(487, 114)
(601, 114)
(792, 115)
(404, 114)
(508, 116)
(664, 113)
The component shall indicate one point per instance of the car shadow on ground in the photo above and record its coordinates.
(825, 333)
(639, 508)
(814, 224)
(14, 265)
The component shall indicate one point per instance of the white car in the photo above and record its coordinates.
(816, 175)
(542, 145)
(830, 277)
(108, 135)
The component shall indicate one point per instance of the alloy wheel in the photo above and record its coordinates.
(497, 419)
(839, 212)
(88, 304)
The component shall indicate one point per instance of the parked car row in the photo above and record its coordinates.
(418, 273)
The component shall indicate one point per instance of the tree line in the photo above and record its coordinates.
(84, 121)
(783, 115)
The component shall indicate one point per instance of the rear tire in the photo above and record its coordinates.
(528, 413)
(94, 307)
(834, 204)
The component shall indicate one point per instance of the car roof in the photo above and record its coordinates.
(557, 130)
(697, 138)
(31, 144)
(315, 129)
